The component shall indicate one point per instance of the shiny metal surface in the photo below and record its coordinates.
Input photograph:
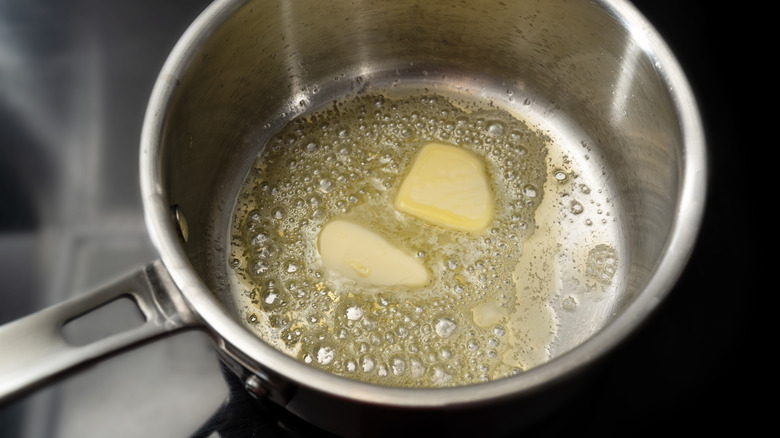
(39, 348)
(598, 74)
(681, 330)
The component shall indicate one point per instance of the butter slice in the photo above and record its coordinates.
(447, 186)
(364, 256)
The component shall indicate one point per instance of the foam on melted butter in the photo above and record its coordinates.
(346, 209)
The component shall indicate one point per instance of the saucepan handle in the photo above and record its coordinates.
(34, 349)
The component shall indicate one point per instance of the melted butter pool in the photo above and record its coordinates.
(497, 299)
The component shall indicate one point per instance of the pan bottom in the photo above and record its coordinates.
(544, 277)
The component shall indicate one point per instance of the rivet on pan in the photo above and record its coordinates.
(181, 223)
(254, 386)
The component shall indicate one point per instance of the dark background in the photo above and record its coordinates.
(74, 80)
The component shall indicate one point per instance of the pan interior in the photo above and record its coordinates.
(569, 69)
(536, 282)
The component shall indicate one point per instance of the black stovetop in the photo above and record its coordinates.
(74, 81)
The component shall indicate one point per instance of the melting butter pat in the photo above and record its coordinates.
(447, 186)
(364, 256)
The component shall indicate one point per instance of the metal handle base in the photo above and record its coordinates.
(33, 349)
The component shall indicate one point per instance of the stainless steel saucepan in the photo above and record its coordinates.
(594, 73)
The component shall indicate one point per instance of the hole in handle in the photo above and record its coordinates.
(116, 316)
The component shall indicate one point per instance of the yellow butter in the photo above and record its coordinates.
(358, 253)
(447, 186)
